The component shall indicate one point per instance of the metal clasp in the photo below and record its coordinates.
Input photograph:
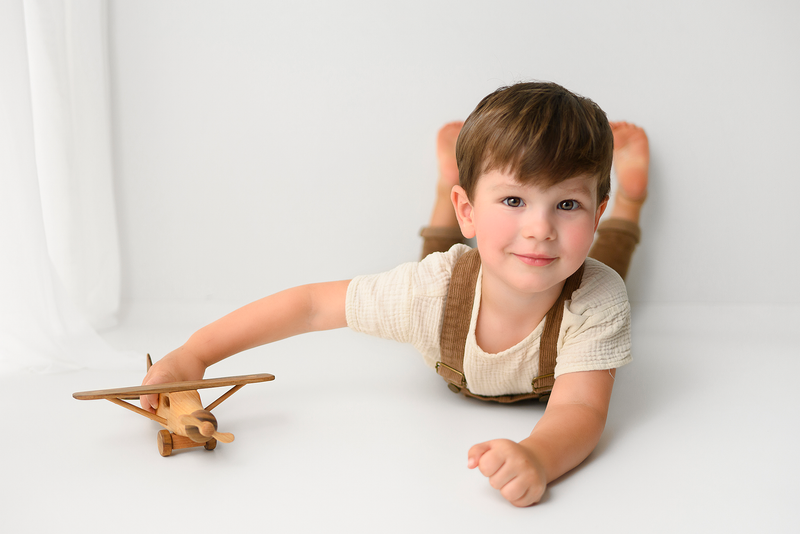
(463, 381)
(539, 390)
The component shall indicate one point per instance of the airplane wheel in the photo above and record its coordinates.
(164, 443)
(210, 445)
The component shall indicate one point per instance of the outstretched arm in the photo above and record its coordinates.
(294, 311)
(565, 435)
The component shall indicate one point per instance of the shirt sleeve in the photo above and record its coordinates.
(380, 304)
(595, 333)
(405, 304)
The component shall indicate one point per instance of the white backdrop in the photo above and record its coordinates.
(263, 145)
(60, 263)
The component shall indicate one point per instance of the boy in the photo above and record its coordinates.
(533, 179)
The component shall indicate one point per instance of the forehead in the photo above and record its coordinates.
(503, 182)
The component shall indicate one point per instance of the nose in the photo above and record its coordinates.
(539, 225)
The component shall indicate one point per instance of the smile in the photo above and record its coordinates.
(537, 260)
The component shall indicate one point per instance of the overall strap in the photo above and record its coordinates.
(457, 315)
(455, 327)
(548, 343)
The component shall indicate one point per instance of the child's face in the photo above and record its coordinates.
(530, 239)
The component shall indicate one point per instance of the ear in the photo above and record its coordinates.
(464, 211)
(599, 213)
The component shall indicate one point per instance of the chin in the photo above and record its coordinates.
(534, 286)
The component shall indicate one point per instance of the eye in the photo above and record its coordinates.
(568, 205)
(513, 202)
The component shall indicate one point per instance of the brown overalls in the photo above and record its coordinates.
(616, 240)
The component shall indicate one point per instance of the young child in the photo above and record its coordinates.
(530, 184)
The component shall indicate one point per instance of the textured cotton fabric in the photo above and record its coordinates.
(407, 304)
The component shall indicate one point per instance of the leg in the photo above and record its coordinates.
(618, 235)
(442, 231)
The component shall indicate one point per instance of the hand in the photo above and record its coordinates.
(512, 469)
(176, 366)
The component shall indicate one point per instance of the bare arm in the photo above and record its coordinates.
(291, 312)
(565, 435)
(294, 311)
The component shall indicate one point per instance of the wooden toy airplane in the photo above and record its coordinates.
(187, 424)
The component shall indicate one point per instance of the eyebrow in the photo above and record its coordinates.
(575, 189)
(580, 189)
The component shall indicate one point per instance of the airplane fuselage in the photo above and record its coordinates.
(175, 406)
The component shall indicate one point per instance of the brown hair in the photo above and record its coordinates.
(539, 132)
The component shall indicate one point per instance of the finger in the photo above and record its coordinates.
(524, 491)
(491, 463)
(529, 498)
(149, 402)
(503, 475)
(146, 402)
(476, 452)
(515, 492)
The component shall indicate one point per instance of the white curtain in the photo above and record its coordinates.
(60, 253)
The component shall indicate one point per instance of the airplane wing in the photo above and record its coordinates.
(132, 393)
(119, 395)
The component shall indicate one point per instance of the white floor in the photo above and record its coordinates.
(357, 435)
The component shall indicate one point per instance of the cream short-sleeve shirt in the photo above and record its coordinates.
(407, 304)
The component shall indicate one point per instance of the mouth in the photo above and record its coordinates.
(536, 260)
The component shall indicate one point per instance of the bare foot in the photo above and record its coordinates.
(631, 161)
(446, 154)
(443, 214)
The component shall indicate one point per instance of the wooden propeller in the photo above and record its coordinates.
(206, 428)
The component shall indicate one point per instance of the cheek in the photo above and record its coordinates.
(496, 228)
(579, 236)
(489, 217)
